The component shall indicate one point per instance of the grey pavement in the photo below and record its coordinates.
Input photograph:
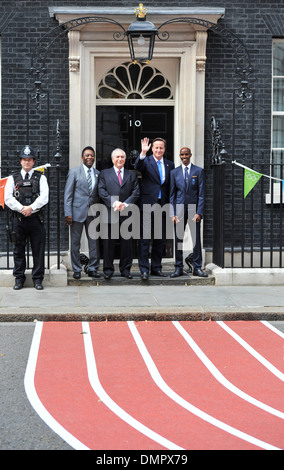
(96, 302)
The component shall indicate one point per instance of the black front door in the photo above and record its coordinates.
(124, 127)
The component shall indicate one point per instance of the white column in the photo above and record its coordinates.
(201, 39)
(75, 111)
(186, 100)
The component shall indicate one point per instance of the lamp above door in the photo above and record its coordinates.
(141, 36)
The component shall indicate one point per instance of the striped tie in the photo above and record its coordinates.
(89, 179)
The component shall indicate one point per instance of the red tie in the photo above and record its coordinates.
(119, 177)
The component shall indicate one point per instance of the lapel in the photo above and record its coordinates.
(83, 177)
(192, 169)
(114, 177)
(167, 170)
(125, 177)
(95, 176)
(180, 175)
(193, 177)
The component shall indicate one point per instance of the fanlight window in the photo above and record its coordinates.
(134, 81)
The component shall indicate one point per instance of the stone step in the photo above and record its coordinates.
(117, 280)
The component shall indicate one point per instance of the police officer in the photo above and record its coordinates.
(26, 193)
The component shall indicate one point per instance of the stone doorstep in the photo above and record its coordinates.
(246, 276)
(217, 276)
(62, 277)
(53, 277)
(118, 280)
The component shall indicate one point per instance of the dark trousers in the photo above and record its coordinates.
(111, 239)
(76, 230)
(33, 229)
(148, 239)
(195, 234)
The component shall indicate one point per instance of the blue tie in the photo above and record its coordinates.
(161, 174)
(186, 176)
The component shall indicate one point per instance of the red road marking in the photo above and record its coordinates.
(125, 376)
(238, 366)
(184, 372)
(261, 338)
(63, 386)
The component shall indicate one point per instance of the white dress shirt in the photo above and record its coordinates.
(183, 168)
(40, 201)
(121, 171)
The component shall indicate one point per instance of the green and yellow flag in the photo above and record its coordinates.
(250, 179)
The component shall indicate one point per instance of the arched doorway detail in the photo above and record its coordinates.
(134, 81)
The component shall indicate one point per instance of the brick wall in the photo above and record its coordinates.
(23, 23)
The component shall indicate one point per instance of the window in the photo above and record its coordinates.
(278, 107)
(134, 81)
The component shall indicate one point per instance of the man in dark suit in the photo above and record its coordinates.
(155, 170)
(81, 192)
(119, 191)
(187, 195)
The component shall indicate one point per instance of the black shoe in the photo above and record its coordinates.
(38, 285)
(107, 276)
(199, 272)
(158, 273)
(177, 273)
(77, 275)
(127, 275)
(18, 284)
(93, 274)
(145, 276)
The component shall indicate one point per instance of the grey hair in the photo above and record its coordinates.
(115, 150)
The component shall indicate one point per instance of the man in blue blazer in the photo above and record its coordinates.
(79, 195)
(155, 170)
(118, 190)
(187, 196)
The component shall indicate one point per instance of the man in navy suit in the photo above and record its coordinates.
(187, 195)
(79, 196)
(118, 190)
(155, 170)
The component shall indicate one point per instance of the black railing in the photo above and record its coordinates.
(52, 221)
(248, 231)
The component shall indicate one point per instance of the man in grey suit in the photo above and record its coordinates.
(119, 192)
(81, 191)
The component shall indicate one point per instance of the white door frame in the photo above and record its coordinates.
(186, 44)
(186, 47)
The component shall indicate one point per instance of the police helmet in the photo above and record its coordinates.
(27, 152)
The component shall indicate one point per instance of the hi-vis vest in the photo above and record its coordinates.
(26, 191)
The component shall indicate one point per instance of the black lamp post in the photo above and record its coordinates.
(141, 37)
